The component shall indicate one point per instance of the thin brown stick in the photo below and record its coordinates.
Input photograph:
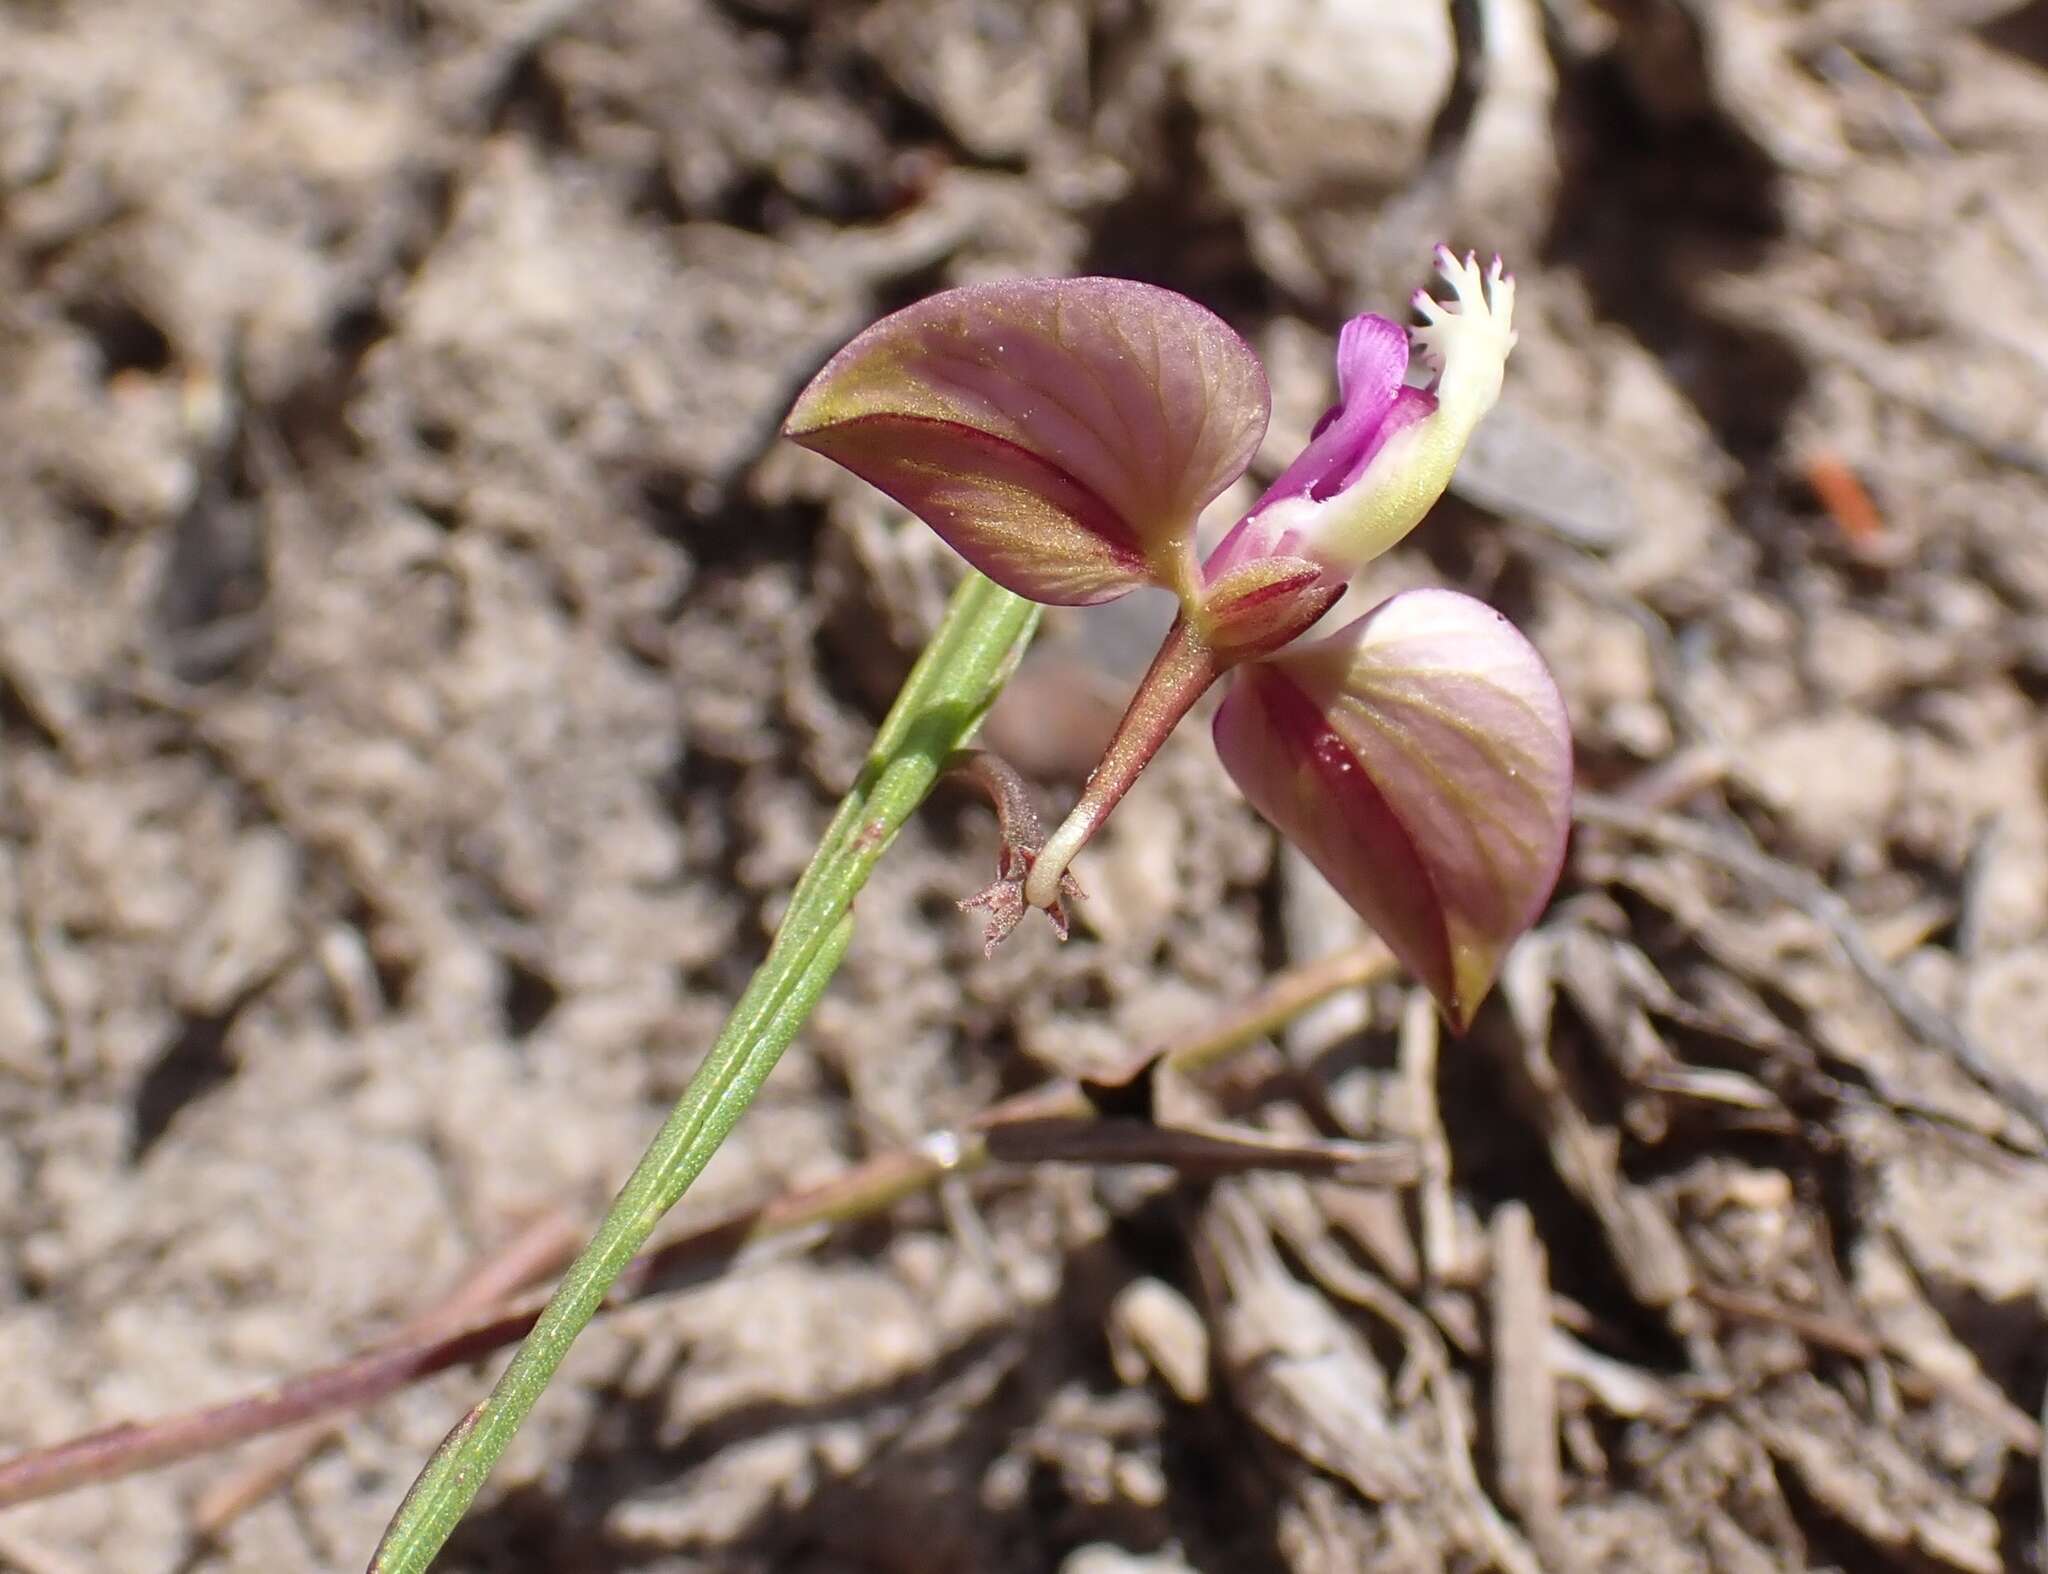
(1285, 998)
(704, 1254)
(125, 1450)
(536, 1253)
(1420, 1039)
(1816, 1327)
(1207, 1150)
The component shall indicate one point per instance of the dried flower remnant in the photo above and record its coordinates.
(1064, 436)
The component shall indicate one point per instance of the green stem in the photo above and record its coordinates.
(942, 701)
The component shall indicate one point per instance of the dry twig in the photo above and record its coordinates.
(1287, 1205)
(537, 1252)
(1420, 1036)
(795, 1218)
(1797, 888)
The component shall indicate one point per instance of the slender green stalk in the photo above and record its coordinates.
(942, 701)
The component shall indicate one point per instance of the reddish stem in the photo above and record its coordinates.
(1180, 674)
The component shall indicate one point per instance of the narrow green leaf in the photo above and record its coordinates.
(942, 701)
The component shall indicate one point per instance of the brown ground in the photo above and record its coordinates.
(421, 675)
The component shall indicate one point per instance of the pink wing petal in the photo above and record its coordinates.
(1422, 759)
(1062, 434)
(1023, 522)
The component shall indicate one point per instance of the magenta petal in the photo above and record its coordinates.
(1372, 358)
(1062, 434)
(1422, 759)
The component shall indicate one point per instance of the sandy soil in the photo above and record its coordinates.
(422, 675)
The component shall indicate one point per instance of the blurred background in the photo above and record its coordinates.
(422, 676)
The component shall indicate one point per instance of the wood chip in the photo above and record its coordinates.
(1304, 1375)
(1154, 1328)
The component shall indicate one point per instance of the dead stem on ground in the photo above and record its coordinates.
(1053, 1123)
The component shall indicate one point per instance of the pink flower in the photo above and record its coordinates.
(1065, 435)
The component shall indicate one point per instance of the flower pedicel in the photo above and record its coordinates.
(1064, 436)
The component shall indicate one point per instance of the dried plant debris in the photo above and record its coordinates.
(420, 680)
